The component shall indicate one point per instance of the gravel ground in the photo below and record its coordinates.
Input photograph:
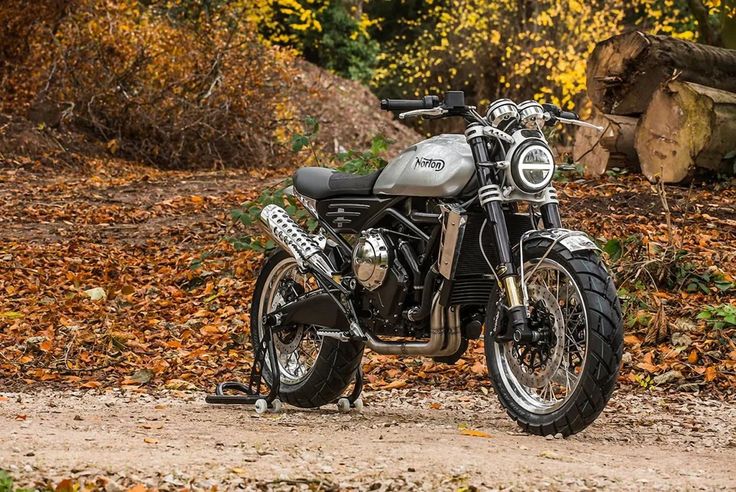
(403, 440)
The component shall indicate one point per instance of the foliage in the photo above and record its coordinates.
(719, 316)
(161, 89)
(330, 33)
(516, 49)
(7, 483)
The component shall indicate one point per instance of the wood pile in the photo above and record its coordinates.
(668, 107)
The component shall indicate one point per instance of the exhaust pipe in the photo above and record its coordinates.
(444, 338)
(287, 233)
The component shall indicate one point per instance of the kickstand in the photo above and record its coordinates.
(251, 393)
(353, 400)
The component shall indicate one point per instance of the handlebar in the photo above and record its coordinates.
(427, 102)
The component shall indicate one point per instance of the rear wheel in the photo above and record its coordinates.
(314, 370)
(562, 382)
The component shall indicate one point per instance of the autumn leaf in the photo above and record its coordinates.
(399, 383)
(474, 433)
(692, 358)
(11, 314)
(150, 440)
(710, 373)
(96, 294)
(67, 485)
(179, 384)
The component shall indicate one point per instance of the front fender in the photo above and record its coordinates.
(571, 240)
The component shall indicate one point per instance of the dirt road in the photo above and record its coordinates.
(405, 440)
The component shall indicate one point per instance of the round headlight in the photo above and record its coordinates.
(532, 166)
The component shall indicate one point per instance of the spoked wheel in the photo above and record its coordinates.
(297, 349)
(562, 381)
(314, 370)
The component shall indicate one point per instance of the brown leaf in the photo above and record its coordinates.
(150, 440)
(399, 383)
(66, 485)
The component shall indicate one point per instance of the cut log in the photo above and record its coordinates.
(686, 126)
(624, 71)
(614, 147)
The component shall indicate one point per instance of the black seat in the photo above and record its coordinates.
(320, 182)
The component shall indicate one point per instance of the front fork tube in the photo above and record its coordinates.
(519, 321)
(507, 271)
(551, 215)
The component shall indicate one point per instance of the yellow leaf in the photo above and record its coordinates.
(11, 314)
(474, 433)
(710, 373)
(150, 440)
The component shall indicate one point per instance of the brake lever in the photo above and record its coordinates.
(557, 119)
(580, 123)
(438, 111)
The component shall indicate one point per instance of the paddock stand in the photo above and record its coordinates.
(250, 394)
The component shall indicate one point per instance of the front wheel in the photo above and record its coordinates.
(561, 382)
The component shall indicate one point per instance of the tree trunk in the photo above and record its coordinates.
(625, 70)
(686, 126)
(614, 147)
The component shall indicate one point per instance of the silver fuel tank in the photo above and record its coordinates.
(440, 166)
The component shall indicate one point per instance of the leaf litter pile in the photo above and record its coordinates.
(121, 275)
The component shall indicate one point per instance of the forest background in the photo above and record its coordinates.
(129, 129)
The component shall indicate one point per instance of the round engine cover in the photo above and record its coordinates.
(371, 259)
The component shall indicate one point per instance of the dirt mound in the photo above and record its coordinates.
(349, 113)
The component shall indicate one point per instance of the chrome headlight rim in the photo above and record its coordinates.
(518, 166)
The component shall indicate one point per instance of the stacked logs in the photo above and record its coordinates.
(668, 107)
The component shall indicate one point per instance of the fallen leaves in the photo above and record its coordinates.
(174, 313)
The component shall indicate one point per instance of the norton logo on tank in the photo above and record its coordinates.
(424, 163)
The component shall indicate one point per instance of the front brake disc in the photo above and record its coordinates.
(540, 378)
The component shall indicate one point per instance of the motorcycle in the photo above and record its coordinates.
(458, 237)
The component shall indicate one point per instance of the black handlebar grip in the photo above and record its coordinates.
(569, 115)
(428, 102)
